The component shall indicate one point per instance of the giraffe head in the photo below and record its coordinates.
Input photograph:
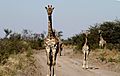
(99, 31)
(49, 9)
(87, 33)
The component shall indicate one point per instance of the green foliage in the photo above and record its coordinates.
(8, 47)
(39, 44)
(110, 46)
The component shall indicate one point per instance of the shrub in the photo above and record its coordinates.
(102, 57)
(118, 59)
(8, 47)
(111, 60)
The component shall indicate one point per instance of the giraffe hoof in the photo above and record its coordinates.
(87, 67)
(83, 66)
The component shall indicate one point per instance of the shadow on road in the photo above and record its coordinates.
(93, 68)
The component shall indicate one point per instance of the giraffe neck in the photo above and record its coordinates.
(101, 38)
(85, 41)
(50, 30)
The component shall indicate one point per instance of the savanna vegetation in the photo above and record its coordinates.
(16, 51)
(110, 33)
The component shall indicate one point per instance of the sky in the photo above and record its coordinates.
(69, 16)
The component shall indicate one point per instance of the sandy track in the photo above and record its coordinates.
(67, 66)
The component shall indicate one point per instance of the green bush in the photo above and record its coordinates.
(39, 44)
(8, 47)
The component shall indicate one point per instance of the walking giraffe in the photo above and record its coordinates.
(51, 44)
(102, 42)
(60, 46)
(60, 41)
(86, 51)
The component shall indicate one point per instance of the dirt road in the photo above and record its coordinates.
(67, 66)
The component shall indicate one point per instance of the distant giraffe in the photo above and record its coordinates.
(60, 42)
(51, 44)
(60, 46)
(102, 42)
(86, 51)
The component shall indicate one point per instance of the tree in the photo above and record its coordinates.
(15, 36)
(7, 32)
(60, 33)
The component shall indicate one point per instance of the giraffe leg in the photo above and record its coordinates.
(87, 65)
(49, 70)
(84, 61)
(48, 59)
(54, 57)
(87, 57)
(54, 61)
(48, 62)
(54, 64)
(48, 55)
(54, 70)
(60, 52)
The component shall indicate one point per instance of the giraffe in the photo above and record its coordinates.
(102, 42)
(60, 42)
(86, 51)
(60, 46)
(51, 44)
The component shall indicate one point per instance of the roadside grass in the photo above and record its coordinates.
(108, 55)
(105, 58)
(16, 64)
(15, 56)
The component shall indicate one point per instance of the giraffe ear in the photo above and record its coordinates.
(45, 7)
(50, 5)
(53, 8)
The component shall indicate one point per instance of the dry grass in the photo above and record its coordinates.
(103, 58)
(16, 64)
(107, 59)
(107, 55)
